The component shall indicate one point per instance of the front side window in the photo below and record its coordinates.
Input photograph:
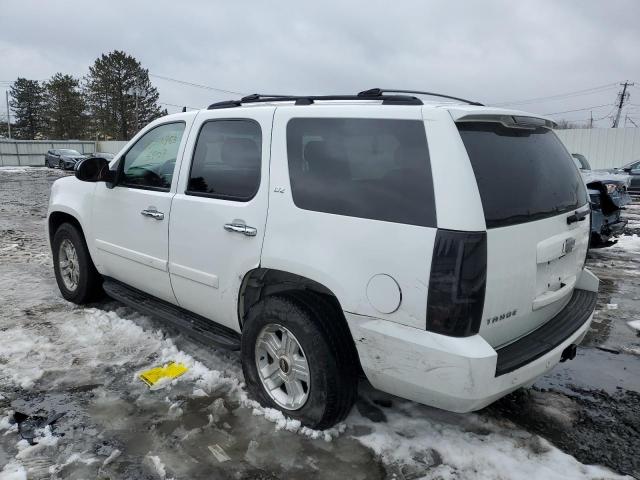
(369, 168)
(226, 160)
(150, 162)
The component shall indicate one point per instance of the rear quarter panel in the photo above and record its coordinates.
(341, 252)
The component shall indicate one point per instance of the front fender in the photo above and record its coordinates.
(75, 198)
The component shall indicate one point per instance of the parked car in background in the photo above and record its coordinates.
(608, 195)
(633, 170)
(62, 158)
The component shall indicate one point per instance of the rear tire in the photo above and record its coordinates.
(332, 385)
(78, 280)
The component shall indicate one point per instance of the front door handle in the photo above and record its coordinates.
(241, 228)
(153, 213)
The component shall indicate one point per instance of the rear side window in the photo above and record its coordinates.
(522, 175)
(226, 160)
(369, 168)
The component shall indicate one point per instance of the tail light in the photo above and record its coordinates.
(457, 283)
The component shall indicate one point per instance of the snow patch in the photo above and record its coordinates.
(628, 242)
(635, 324)
(483, 450)
(158, 466)
(13, 471)
(44, 438)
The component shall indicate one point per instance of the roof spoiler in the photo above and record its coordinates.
(511, 121)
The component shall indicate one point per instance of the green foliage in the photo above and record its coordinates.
(120, 96)
(27, 102)
(114, 101)
(64, 107)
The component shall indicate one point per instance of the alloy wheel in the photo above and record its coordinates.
(68, 263)
(282, 366)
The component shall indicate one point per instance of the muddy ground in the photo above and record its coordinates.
(582, 420)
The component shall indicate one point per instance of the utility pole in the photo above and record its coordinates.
(623, 97)
(591, 120)
(137, 116)
(8, 114)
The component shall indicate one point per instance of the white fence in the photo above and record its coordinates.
(110, 146)
(31, 152)
(603, 147)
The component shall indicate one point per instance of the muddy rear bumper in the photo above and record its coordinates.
(465, 374)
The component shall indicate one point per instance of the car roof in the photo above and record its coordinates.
(458, 110)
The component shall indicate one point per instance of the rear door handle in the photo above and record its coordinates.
(241, 228)
(153, 213)
(577, 217)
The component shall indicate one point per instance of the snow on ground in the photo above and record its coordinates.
(418, 438)
(85, 361)
(20, 169)
(628, 242)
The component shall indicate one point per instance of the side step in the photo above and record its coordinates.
(199, 327)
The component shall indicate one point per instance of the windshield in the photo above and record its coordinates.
(581, 161)
(523, 175)
(66, 151)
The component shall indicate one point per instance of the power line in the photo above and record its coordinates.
(587, 91)
(179, 106)
(579, 109)
(197, 85)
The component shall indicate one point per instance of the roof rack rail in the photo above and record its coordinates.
(310, 99)
(377, 92)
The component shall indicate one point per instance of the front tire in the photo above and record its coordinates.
(60, 164)
(298, 359)
(78, 280)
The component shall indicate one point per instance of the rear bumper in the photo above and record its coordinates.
(465, 374)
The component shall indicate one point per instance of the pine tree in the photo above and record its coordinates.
(64, 107)
(27, 103)
(120, 96)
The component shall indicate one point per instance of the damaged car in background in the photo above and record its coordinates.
(608, 194)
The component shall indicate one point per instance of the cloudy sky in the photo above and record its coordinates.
(492, 51)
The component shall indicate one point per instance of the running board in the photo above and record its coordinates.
(199, 327)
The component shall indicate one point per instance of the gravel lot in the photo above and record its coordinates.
(582, 420)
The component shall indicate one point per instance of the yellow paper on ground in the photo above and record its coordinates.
(169, 371)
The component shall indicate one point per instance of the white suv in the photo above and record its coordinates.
(438, 248)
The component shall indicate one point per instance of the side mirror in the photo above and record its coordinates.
(94, 169)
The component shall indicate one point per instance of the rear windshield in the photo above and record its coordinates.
(369, 168)
(522, 175)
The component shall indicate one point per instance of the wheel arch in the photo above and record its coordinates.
(57, 218)
(263, 282)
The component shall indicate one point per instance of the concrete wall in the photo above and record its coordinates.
(110, 146)
(603, 147)
(31, 152)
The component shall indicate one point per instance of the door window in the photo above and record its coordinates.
(149, 164)
(226, 161)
